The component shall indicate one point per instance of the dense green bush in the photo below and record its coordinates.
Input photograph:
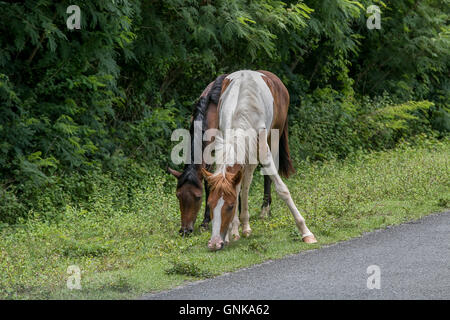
(77, 102)
(328, 124)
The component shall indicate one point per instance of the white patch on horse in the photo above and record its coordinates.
(246, 106)
(217, 219)
(247, 89)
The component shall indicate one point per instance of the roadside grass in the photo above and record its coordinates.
(126, 247)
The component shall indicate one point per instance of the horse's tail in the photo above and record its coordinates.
(286, 168)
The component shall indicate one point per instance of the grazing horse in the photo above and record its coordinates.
(189, 186)
(258, 101)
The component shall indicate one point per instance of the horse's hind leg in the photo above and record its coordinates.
(267, 199)
(284, 194)
(282, 190)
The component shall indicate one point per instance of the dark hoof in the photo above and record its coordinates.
(185, 232)
(204, 226)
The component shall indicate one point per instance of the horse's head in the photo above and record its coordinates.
(222, 201)
(189, 193)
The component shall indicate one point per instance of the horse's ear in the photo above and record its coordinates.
(206, 174)
(237, 177)
(175, 173)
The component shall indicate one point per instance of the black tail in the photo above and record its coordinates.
(286, 168)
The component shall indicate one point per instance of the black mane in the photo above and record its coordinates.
(190, 171)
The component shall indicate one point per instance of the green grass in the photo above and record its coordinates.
(127, 245)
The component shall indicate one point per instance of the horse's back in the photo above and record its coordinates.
(271, 97)
(246, 101)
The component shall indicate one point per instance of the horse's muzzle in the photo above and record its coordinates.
(216, 243)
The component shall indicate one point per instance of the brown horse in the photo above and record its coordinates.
(250, 101)
(189, 186)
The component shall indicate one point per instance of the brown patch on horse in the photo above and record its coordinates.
(212, 120)
(280, 120)
(226, 82)
(280, 99)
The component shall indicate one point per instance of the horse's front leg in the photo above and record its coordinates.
(233, 230)
(207, 217)
(267, 199)
(246, 182)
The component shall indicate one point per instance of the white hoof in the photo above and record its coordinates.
(309, 239)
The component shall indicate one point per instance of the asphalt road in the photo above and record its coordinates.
(413, 260)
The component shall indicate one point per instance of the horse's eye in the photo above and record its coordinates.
(230, 207)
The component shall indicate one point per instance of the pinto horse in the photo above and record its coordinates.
(189, 186)
(250, 100)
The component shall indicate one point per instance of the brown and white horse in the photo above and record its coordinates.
(189, 186)
(258, 101)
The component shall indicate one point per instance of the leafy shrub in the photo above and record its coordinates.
(188, 268)
(329, 125)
